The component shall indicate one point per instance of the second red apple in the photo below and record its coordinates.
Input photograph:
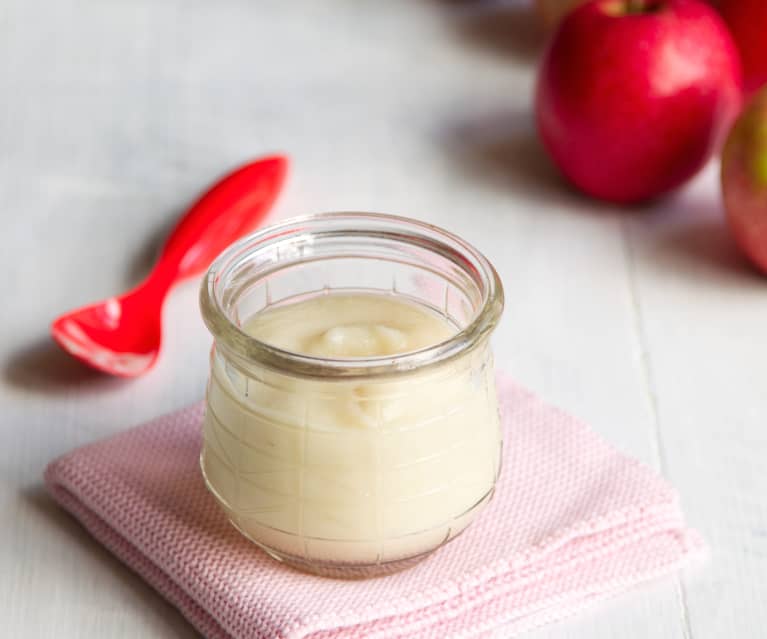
(747, 20)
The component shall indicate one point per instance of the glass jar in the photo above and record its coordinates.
(351, 467)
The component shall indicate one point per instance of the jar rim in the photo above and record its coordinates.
(246, 349)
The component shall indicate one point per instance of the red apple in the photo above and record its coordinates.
(634, 95)
(744, 180)
(747, 20)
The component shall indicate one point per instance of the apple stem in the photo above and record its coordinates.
(635, 6)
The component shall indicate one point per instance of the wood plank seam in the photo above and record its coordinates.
(651, 395)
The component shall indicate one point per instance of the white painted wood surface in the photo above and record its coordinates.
(113, 114)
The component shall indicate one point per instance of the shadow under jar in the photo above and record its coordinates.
(351, 466)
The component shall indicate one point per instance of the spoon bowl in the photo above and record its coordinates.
(120, 335)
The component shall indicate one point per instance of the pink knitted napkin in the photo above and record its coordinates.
(572, 521)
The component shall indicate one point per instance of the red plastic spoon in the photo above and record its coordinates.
(122, 335)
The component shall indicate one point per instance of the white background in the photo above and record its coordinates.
(115, 113)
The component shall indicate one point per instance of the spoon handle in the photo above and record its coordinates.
(229, 209)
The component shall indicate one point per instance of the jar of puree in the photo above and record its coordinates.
(351, 424)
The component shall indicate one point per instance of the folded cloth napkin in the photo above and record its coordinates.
(572, 521)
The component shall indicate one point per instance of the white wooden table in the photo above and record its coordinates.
(114, 114)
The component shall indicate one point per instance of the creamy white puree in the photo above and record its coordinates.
(362, 470)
